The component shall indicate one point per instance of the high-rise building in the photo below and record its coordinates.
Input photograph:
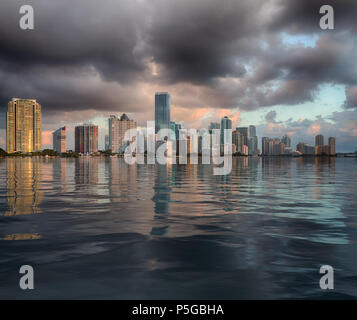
(162, 111)
(245, 132)
(238, 141)
(106, 142)
(319, 140)
(253, 145)
(252, 140)
(175, 127)
(332, 146)
(214, 125)
(86, 138)
(272, 147)
(23, 125)
(286, 140)
(59, 140)
(252, 131)
(226, 123)
(117, 128)
(265, 146)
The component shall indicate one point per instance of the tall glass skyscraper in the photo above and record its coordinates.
(162, 111)
(253, 141)
(23, 126)
(226, 123)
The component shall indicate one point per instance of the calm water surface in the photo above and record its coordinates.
(97, 228)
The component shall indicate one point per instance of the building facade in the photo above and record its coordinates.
(214, 125)
(117, 128)
(245, 132)
(59, 140)
(319, 140)
(162, 111)
(23, 126)
(226, 124)
(332, 146)
(86, 138)
(252, 140)
(238, 141)
(286, 140)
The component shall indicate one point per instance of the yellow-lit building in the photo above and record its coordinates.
(23, 126)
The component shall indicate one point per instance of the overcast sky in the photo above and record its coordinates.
(261, 62)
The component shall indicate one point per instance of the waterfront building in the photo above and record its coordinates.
(238, 141)
(59, 140)
(106, 142)
(23, 126)
(226, 124)
(117, 129)
(319, 140)
(245, 132)
(332, 146)
(162, 111)
(214, 125)
(286, 140)
(86, 138)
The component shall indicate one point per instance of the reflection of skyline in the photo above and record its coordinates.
(161, 199)
(277, 217)
(23, 179)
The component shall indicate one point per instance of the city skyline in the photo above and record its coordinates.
(282, 75)
(244, 140)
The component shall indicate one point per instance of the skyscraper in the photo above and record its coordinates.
(253, 145)
(332, 146)
(59, 140)
(162, 111)
(117, 128)
(86, 138)
(226, 123)
(175, 127)
(244, 131)
(237, 140)
(286, 140)
(319, 140)
(23, 125)
(106, 142)
(214, 125)
(253, 141)
(252, 131)
(265, 146)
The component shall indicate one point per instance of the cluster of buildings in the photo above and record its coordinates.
(278, 147)
(320, 148)
(23, 129)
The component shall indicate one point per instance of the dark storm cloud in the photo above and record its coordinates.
(302, 16)
(198, 41)
(351, 98)
(270, 116)
(88, 54)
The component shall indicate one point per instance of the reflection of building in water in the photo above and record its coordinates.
(23, 186)
(59, 172)
(86, 171)
(23, 236)
(121, 177)
(161, 198)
